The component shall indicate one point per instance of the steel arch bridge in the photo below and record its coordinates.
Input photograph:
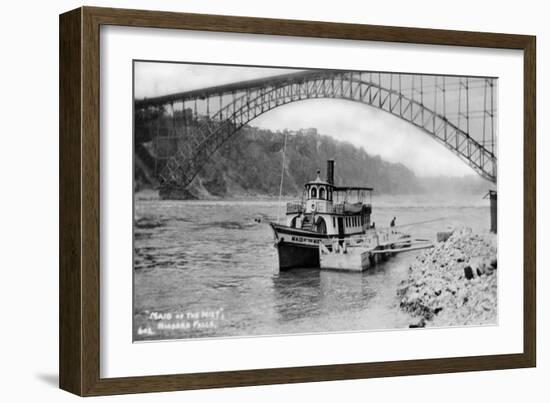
(458, 112)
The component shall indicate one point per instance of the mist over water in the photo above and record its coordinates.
(209, 269)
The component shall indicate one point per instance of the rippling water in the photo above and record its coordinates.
(209, 269)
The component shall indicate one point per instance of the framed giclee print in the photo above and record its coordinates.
(249, 201)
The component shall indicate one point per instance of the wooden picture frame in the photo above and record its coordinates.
(79, 281)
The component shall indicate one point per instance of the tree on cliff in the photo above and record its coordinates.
(251, 163)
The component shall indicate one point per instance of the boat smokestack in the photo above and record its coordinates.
(330, 171)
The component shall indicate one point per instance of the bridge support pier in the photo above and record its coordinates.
(493, 203)
(175, 193)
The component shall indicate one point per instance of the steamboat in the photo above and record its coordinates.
(326, 215)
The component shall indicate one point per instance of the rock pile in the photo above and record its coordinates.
(454, 283)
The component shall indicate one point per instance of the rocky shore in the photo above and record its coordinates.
(454, 283)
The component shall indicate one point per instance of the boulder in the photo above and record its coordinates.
(468, 272)
(419, 324)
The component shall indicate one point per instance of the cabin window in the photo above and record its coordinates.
(322, 193)
(313, 193)
(334, 222)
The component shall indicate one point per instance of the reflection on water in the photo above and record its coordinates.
(209, 269)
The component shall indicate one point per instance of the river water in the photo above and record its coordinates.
(209, 269)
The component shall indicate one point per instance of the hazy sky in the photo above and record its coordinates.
(376, 131)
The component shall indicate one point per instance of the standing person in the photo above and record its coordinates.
(392, 224)
(299, 220)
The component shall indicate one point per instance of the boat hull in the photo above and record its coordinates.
(292, 256)
(297, 248)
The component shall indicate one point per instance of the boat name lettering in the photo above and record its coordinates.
(302, 239)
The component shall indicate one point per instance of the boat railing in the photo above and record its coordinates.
(294, 208)
(325, 207)
(338, 208)
(328, 208)
(344, 208)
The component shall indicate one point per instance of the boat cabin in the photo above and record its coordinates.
(331, 210)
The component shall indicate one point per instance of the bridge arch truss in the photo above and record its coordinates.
(458, 112)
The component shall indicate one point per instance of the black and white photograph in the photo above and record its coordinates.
(275, 201)
(241, 201)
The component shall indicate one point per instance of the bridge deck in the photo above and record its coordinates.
(230, 88)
